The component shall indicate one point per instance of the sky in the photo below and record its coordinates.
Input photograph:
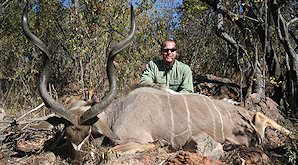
(159, 3)
(169, 6)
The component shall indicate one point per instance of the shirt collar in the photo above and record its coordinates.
(169, 67)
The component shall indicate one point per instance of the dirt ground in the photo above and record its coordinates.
(36, 147)
(22, 143)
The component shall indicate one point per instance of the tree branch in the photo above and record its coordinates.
(34, 109)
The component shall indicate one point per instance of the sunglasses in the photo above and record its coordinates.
(172, 50)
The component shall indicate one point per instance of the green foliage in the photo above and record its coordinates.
(79, 38)
(81, 35)
(292, 155)
(198, 44)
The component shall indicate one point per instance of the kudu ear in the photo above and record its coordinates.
(43, 78)
(99, 107)
(55, 120)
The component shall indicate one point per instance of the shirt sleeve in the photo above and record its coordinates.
(187, 82)
(148, 74)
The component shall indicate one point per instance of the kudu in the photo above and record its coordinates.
(149, 115)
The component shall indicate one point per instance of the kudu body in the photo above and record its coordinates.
(149, 115)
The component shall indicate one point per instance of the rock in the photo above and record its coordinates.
(206, 146)
(267, 106)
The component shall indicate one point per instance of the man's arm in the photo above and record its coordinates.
(148, 74)
(187, 82)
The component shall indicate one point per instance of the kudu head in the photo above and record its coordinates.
(78, 123)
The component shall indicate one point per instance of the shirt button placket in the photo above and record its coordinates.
(168, 79)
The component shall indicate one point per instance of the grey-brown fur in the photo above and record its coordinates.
(148, 114)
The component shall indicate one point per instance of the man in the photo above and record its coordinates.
(169, 72)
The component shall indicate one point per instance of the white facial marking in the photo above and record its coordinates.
(78, 147)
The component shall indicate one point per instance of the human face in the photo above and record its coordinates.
(169, 52)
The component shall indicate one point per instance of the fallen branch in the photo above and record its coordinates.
(38, 107)
(16, 121)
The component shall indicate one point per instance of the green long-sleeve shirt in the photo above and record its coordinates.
(177, 78)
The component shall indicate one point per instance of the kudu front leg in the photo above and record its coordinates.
(261, 122)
